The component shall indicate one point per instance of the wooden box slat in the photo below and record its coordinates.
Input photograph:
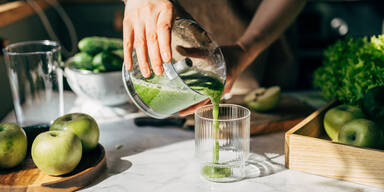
(308, 150)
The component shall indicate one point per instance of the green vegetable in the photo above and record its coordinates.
(351, 66)
(373, 103)
(108, 54)
(119, 52)
(94, 45)
(105, 61)
(82, 60)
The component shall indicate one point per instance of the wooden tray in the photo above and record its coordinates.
(308, 149)
(288, 113)
(27, 177)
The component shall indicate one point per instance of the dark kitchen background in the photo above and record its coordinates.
(320, 24)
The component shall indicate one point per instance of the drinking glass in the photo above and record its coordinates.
(222, 145)
(36, 81)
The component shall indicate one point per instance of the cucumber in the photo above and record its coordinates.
(119, 52)
(82, 60)
(94, 45)
(106, 61)
(114, 44)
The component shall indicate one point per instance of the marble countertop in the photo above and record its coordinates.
(142, 159)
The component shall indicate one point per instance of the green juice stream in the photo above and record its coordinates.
(212, 88)
(169, 98)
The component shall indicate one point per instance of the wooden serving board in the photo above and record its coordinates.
(27, 177)
(287, 114)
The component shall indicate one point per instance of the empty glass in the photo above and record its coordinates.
(36, 81)
(223, 149)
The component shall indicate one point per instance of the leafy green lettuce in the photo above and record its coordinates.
(351, 66)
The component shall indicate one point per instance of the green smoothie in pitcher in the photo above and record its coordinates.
(170, 99)
(167, 96)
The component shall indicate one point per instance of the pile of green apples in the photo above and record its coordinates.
(55, 152)
(361, 125)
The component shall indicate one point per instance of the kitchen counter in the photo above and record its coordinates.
(162, 159)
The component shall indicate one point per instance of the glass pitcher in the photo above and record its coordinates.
(186, 80)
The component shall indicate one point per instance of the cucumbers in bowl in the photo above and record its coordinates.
(94, 45)
(98, 54)
(107, 61)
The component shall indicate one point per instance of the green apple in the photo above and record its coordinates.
(262, 99)
(13, 145)
(56, 152)
(83, 125)
(336, 117)
(362, 133)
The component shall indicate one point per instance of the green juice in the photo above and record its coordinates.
(166, 96)
(166, 101)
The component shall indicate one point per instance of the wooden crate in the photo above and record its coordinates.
(308, 149)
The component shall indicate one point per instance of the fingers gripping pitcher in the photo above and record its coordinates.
(197, 72)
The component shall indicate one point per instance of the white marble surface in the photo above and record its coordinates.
(162, 159)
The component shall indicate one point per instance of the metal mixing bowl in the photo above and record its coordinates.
(106, 88)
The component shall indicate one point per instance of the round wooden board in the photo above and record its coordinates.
(27, 177)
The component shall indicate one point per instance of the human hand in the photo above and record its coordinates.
(234, 58)
(147, 27)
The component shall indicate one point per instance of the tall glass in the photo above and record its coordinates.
(222, 145)
(36, 81)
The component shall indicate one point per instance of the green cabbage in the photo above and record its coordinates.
(351, 66)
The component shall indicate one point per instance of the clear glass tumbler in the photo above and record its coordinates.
(222, 145)
(36, 81)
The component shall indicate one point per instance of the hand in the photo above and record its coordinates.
(235, 60)
(147, 27)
